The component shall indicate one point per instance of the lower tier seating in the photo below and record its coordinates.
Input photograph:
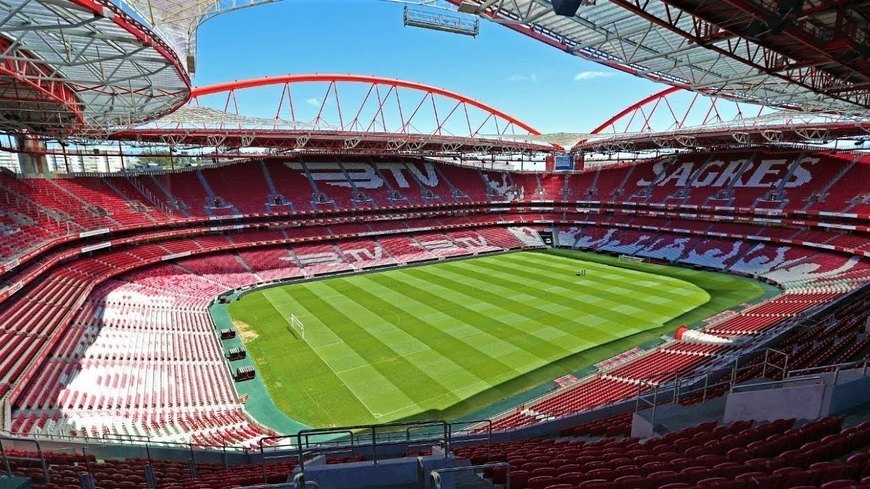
(780, 454)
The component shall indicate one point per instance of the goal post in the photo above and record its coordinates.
(297, 326)
(629, 258)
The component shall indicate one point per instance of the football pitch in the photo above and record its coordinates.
(443, 339)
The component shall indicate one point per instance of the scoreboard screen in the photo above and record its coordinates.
(564, 163)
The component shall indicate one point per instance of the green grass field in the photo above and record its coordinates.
(445, 339)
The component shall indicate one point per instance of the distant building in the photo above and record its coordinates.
(9, 161)
(83, 163)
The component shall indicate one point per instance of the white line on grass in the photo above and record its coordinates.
(343, 382)
(330, 366)
(418, 405)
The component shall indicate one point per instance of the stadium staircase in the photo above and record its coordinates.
(88, 206)
(685, 192)
(457, 194)
(725, 194)
(319, 199)
(359, 197)
(824, 191)
(176, 203)
(133, 203)
(781, 192)
(394, 197)
(209, 192)
(274, 195)
(134, 186)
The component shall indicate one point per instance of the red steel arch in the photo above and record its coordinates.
(677, 118)
(633, 109)
(340, 112)
(368, 79)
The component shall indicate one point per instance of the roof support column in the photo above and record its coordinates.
(31, 156)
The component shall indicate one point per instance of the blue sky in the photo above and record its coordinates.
(547, 88)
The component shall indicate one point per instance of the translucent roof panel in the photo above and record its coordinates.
(655, 40)
(87, 65)
(177, 21)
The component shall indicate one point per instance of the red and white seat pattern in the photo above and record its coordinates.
(320, 259)
(140, 359)
(96, 338)
(37, 211)
(363, 253)
(271, 263)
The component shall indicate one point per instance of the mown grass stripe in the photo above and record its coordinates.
(514, 339)
(637, 278)
(596, 300)
(395, 370)
(460, 340)
(515, 305)
(315, 387)
(378, 393)
(379, 316)
(439, 364)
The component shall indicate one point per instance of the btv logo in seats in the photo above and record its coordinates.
(470, 242)
(357, 255)
(324, 258)
(721, 173)
(364, 175)
(435, 245)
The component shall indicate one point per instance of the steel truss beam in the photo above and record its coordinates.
(656, 40)
(341, 112)
(102, 66)
(675, 119)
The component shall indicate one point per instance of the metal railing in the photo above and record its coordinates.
(783, 370)
(776, 384)
(355, 438)
(677, 388)
(836, 368)
(40, 457)
(437, 479)
(474, 434)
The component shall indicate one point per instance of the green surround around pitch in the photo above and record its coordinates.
(451, 339)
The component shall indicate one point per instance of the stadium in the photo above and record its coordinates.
(342, 281)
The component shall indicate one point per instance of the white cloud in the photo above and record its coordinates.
(591, 75)
(313, 101)
(521, 77)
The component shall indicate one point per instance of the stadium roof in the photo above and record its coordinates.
(177, 21)
(69, 66)
(814, 59)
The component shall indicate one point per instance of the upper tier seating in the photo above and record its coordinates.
(35, 211)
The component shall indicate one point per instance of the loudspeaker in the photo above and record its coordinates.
(568, 8)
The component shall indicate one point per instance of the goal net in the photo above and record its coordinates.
(297, 326)
(629, 258)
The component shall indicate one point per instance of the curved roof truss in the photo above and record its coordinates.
(90, 64)
(656, 39)
(678, 119)
(338, 112)
(177, 21)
